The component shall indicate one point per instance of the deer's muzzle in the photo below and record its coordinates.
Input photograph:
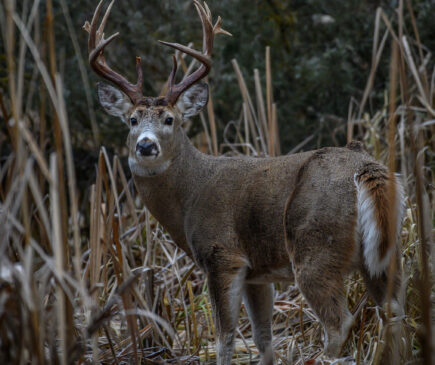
(147, 147)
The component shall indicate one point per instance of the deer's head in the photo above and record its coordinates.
(155, 122)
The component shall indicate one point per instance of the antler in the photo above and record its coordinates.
(96, 45)
(209, 31)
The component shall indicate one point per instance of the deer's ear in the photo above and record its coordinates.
(193, 100)
(114, 101)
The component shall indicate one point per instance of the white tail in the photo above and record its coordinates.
(372, 222)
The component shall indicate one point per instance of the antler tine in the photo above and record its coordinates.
(100, 31)
(171, 79)
(217, 28)
(209, 31)
(98, 51)
(92, 28)
(205, 8)
(190, 51)
(96, 46)
(207, 26)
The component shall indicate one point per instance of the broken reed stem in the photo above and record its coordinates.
(17, 143)
(361, 335)
(260, 105)
(301, 320)
(421, 69)
(269, 102)
(393, 208)
(376, 56)
(56, 240)
(246, 127)
(96, 222)
(196, 341)
(206, 132)
(22, 54)
(10, 58)
(425, 245)
(126, 296)
(350, 123)
(83, 72)
(212, 122)
(112, 350)
(419, 47)
(95, 247)
(277, 145)
(60, 162)
(56, 124)
(73, 198)
(250, 109)
(424, 233)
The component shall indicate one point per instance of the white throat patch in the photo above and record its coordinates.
(147, 171)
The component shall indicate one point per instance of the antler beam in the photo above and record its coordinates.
(209, 31)
(96, 46)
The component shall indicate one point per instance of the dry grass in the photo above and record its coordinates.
(106, 284)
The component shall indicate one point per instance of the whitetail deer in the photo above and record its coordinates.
(311, 217)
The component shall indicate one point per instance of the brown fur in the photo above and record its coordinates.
(152, 102)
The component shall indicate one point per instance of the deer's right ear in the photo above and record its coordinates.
(114, 101)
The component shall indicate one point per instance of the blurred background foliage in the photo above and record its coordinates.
(321, 57)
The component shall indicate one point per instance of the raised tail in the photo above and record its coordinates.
(380, 205)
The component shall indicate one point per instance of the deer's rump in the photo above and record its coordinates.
(339, 211)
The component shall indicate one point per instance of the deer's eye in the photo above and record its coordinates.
(133, 121)
(169, 121)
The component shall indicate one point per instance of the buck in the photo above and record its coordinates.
(247, 222)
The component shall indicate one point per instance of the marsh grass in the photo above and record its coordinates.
(95, 278)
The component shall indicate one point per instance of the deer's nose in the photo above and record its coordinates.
(147, 147)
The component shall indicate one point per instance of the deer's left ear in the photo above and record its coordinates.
(193, 100)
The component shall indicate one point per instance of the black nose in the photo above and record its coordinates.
(147, 148)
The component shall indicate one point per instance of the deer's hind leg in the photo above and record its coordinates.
(258, 300)
(397, 341)
(377, 286)
(323, 290)
(320, 220)
(319, 273)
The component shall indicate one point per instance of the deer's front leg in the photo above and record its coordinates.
(226, 277)
(258, 300)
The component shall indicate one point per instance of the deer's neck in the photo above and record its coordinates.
(168, 195)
